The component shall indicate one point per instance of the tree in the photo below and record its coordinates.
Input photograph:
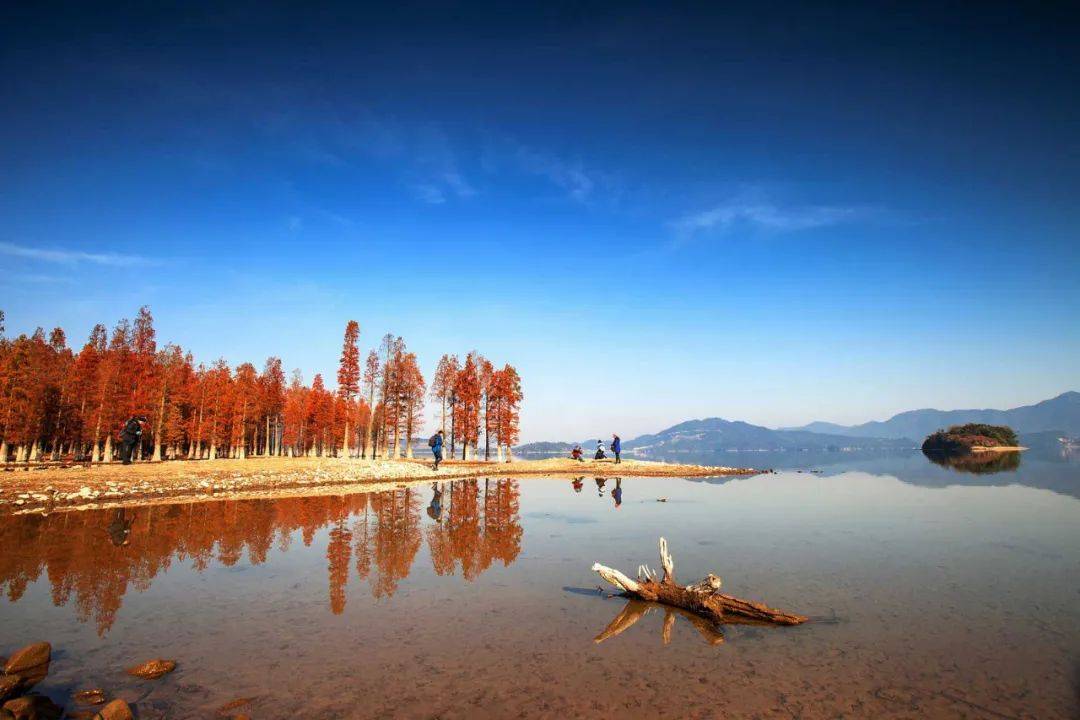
(485, 371)
(219, 391)
(506, 407)
(372, 377)
(169, 373)
(442, 386)
(412, 399)
(349, 374)
(85, 384)
(467, 393)
(271, 403)
(295, 414)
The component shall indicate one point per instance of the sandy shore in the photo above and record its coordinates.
(24, 488)
(997, 448)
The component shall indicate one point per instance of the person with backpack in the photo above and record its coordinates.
(435, 442)
(616, 447)
(130, 436)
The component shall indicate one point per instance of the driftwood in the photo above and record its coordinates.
(702, 598)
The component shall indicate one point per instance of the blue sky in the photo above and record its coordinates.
(775, 213)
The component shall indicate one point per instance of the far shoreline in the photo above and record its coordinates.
(36, 488)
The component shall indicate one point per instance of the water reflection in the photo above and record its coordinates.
(980, 463)
(634, 610)
(92, 558)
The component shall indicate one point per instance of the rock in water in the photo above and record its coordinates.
(28, 657)
(9, 685)
(80, 715)
(116, 710)
(152, 669)
(33, 707)
(228, 707)
(90, 697)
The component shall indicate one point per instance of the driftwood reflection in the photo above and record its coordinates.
(634, 610)
(710, 632)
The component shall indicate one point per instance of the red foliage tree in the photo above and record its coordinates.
(349, 376)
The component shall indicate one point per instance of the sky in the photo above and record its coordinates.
(770, 212)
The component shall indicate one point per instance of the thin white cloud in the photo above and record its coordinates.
(72, 257)
(768, 216)
(459, 184)
(570, 176)
(430, 194)
(40, 279)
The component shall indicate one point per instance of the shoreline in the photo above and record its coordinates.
(997, 448)
(36, 488)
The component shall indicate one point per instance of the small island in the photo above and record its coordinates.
(972, 438)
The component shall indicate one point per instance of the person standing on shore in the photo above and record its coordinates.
(436, 443)
(616, 447)
(130, 436)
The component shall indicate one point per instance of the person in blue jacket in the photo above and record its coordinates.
(616, 447)
(436, 443)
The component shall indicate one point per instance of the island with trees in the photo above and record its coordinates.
(972, 438)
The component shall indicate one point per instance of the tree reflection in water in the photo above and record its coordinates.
(978, 463)
(91, 558)
(470, 536)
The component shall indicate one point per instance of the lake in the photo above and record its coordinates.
(933, 591)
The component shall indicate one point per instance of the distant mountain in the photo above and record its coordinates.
(718, 435)
(1060, 414)
(544, 448)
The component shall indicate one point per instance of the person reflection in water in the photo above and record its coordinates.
(120, 528)
(578, 483)
(617, 493)
(434, 508)
(600, 486)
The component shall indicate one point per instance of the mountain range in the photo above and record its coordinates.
(1059, 415)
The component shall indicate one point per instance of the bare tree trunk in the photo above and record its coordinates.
(160, 427)
(487, 430)
(96, 453)
(108, 449)
(56, 431)
(345, 441)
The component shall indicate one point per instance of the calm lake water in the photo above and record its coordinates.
(934, 593)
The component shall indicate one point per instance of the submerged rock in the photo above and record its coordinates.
(228, 707)
(90, 697)
(152, 669)
(29, 657)
(33, 707)
(9, 686)
(116, 710)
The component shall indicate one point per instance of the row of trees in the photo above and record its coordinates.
(56, 402)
